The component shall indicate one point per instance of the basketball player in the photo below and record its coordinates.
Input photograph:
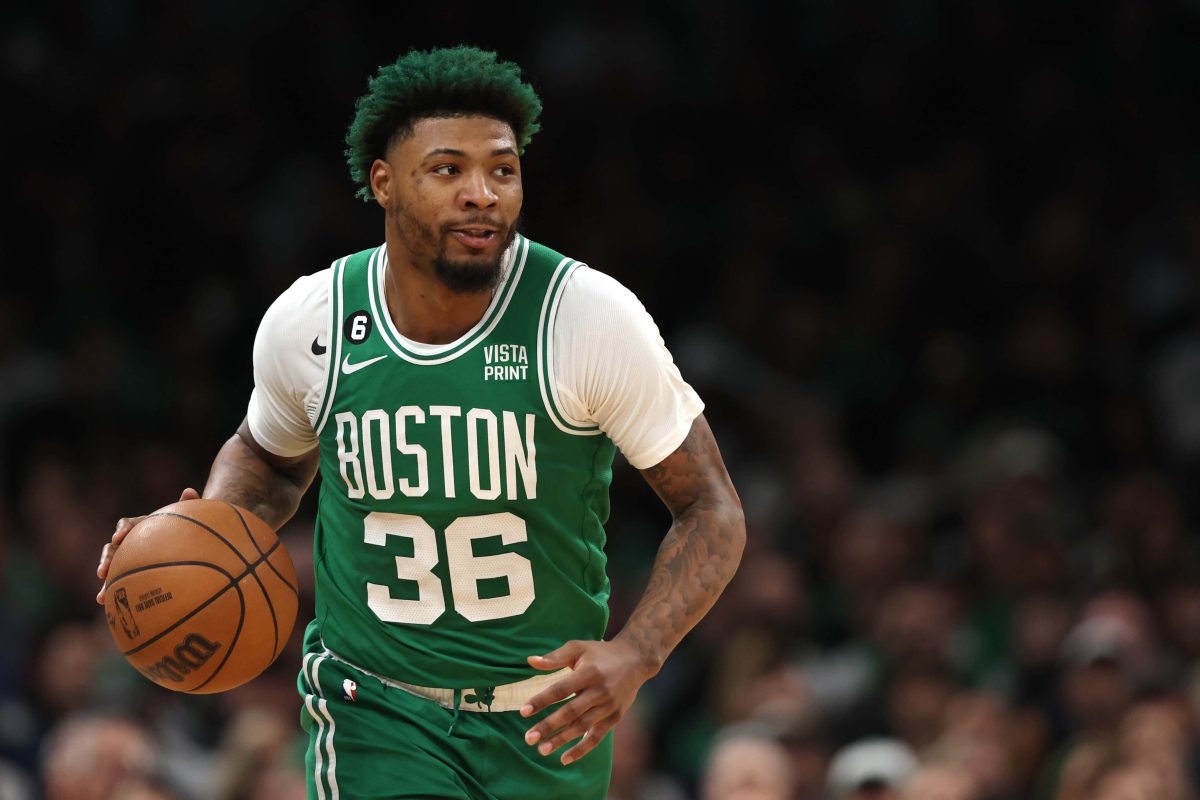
(462, 391)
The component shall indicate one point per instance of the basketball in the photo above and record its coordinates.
(201, 596)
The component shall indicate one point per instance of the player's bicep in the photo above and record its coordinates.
(278, 421)
(694, 476)
(290, 368)
(299, 469)
(247, 474)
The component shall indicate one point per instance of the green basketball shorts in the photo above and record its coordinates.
(369, 739)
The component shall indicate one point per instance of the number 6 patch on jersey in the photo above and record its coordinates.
(357, 327)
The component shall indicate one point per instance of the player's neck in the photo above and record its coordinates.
(423, 308)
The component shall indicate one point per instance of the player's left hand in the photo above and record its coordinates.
(605, 678)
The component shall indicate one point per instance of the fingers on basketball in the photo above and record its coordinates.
(201, 596)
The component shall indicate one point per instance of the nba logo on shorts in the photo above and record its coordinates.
(349, 690)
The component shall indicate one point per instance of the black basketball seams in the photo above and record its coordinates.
(267, 596)
(113, 580)
(189, 615)
(245, 527)
(233, 581)
(197, 522)
(232, 644)
(251, 560)
(295, 589)
(253, 572)
(275, 618)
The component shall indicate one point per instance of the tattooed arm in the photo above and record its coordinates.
(245, 474)
(700, 552)
(694, 563)
(248, 475)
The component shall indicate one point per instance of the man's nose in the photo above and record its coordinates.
(476, 193)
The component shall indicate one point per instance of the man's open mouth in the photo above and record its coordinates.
(475, 237)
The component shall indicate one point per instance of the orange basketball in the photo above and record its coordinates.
(201, 596)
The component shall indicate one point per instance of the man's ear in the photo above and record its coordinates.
(381, 182)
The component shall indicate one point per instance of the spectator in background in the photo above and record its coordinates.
(918, 698)
(145, 790)
(871, 769)
(1121, 749)
(257, 758)
(1100, 676)
(1142, 532)
(1131, 782)
(986, 289)
(1100, 775)
(633, 775)
(978, 737)
(59, 679)
(97, 758)
(1154, 741)
(14, 785)
(809, 752)
(745, 764)
(939, 781)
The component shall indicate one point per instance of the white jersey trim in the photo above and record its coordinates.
(334, 348)
(545, 350)
(514, 266)
(602, 364)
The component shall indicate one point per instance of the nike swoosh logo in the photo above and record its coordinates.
(349, 369)
(318, 348)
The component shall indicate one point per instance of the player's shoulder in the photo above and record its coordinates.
(581, 282)
(596, 285)
(307, 297)
(538, 253)
(306, 290)
(589, 294)
(545, 261)
(299, 315)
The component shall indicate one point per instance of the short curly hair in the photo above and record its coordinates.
(444, 82)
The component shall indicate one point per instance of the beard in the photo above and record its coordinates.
(472, 276)
(461, 275)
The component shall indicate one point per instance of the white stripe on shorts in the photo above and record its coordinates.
(308, 704)
(320, 712)
(331, 770)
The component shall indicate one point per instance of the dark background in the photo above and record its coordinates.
(933, 267)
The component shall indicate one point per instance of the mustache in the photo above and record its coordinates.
(478, 219)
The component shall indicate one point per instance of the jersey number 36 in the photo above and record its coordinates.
(466, 569)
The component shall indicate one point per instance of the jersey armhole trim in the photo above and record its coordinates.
(335, 343)
(545, 351)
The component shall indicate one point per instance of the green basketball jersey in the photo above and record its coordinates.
(460, 527)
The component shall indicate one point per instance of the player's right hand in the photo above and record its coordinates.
(124, 526)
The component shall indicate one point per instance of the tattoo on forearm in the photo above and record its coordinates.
(240, 476)
(699, 554)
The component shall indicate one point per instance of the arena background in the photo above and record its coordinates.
(933, 266)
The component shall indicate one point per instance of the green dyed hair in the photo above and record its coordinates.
(446, 82)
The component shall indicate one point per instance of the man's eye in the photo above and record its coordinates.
(505, 170)
(446, 169)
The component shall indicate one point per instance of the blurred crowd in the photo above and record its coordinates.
(934, 267)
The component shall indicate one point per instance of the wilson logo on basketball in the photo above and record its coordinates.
(190, 655)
